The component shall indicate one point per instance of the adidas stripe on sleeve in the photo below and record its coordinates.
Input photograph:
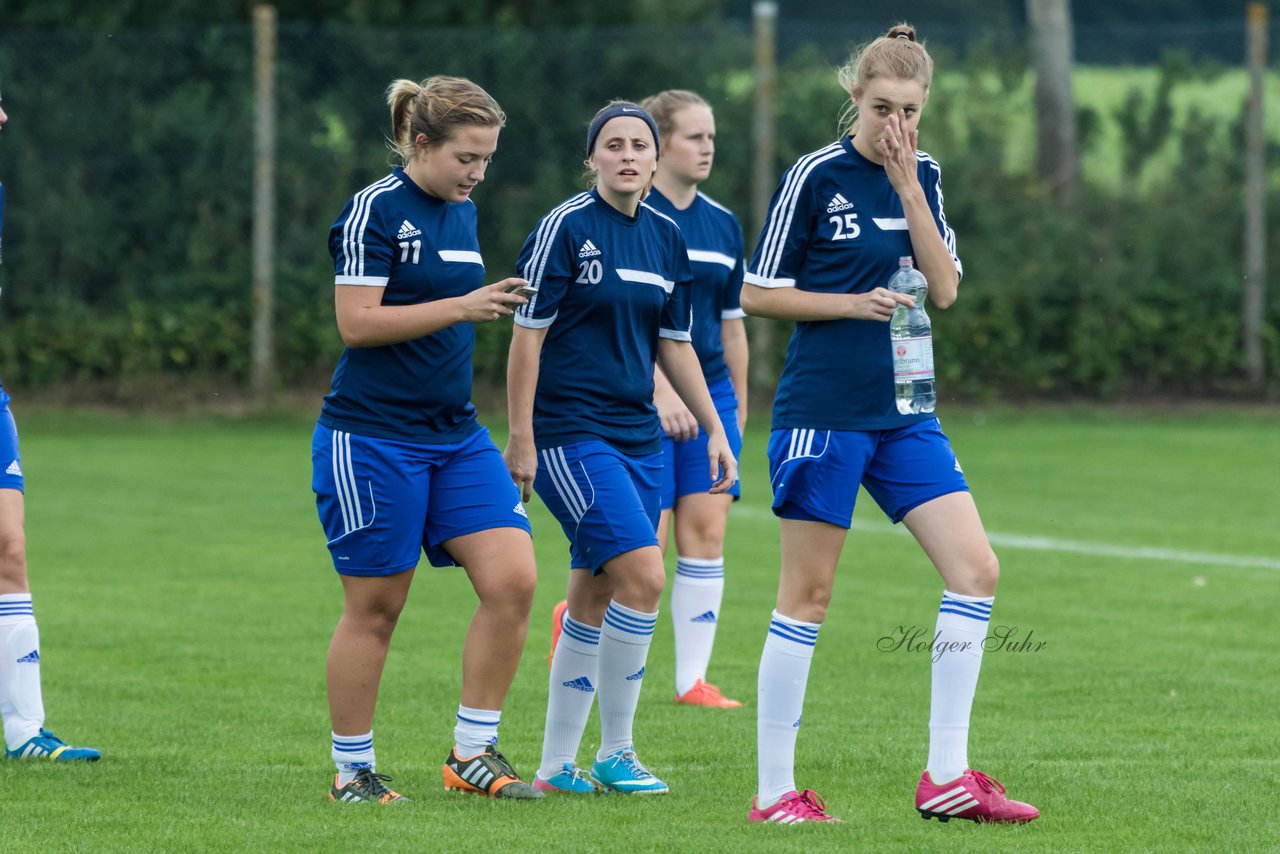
(788, 227)
(362, 251)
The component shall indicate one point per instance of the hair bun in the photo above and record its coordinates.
(902, 31)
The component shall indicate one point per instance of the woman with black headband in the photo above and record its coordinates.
(611, 278)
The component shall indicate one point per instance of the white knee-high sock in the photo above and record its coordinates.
(957, 658)
(695, 608)
(575, 671)
(475, 730)
(21, 703)
(784, 676)
(351, 753)
(624, 648)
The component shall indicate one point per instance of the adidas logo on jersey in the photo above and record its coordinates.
(704, 617)
(407, 230)
(838, 203)
(582, 683)
(14, 469)
(588, 250)
(32, 657)
(520, 511)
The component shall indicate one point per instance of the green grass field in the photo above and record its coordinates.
(185, 601)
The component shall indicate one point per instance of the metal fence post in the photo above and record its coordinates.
(1253, 289)
(263, 366)
(764, 367)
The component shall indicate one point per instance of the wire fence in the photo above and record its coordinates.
(129, 176)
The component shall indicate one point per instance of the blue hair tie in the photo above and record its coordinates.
(619, 110)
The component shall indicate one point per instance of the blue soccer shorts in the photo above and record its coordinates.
(606, 501)
(815, 473)
(10, 459)
(382, 502)
(686, 469)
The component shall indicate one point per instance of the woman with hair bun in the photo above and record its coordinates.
(400, 464)
(837, 227)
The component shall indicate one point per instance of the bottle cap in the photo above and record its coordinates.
(906, 261)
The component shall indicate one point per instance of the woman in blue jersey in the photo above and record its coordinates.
(714, 238)
(400, 464)
(611, 278)
(21, 701)
(836, 229)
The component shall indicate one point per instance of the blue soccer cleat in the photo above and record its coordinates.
(571, 781)
(622, 772)
(46, 745)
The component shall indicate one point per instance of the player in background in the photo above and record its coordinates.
(611, 277)
(400, 464)
(836, 228)
(21, 702)
(714, 238)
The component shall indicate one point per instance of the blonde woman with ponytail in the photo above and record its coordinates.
(842, 220)
(400, 463)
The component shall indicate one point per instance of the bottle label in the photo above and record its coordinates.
(913, 358)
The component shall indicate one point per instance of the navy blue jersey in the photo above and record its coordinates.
(394, 235)
(715, 246)
(609, 286)
(836, 226)
(4, 398)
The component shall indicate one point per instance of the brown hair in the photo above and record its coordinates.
(895, 54)
(664, 106)
(435, 108)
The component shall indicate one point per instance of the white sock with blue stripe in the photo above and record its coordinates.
(351, 753)
(21, 703)
(624, 648)
(695, 607)
(475, 730)
(784, 676)
(574, 673)
(962, 626)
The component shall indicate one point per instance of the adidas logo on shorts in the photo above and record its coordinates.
(14, 469)
(838, 203)
(588, 250)
(520, 511)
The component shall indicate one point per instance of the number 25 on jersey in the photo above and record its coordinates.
(846, 225)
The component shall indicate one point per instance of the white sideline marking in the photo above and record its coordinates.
(1049, 544)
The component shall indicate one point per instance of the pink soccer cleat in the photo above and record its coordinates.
(973, 796)
(794, 808)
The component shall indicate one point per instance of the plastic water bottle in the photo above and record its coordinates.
(911, 336)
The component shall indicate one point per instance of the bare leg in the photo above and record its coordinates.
(951, 534)
(13, 543)
(358, 651)
(500, 564)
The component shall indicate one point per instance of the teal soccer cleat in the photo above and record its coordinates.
(46, 745)
(622, 772)
(570, 780)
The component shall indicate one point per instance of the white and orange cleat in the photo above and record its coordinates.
(557, 625)
(706, 694)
